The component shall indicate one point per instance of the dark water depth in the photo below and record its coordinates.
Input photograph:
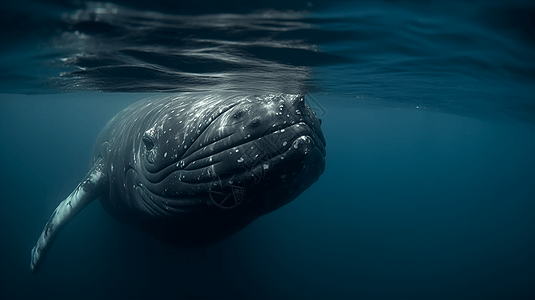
(428, 110)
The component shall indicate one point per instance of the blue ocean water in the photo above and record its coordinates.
(428, 109)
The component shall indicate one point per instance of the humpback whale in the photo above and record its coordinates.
(193, 169)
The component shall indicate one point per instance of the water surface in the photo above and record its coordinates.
(427, 108)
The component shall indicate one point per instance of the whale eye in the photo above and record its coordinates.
(149, 144)
(255, 122)
(238, 114)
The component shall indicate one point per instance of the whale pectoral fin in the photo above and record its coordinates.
(91, 187)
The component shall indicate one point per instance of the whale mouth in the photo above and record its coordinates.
(281, 138)
(271, 156)
(234, 155)
(298, 138)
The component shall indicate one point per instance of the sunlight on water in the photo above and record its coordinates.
(160, 52)
(473, 61)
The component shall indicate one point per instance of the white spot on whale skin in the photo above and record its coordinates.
(284, 144)
(165, 154)
(266, 166)
(240, 160)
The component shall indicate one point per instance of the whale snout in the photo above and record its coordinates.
(304, 144)
(265, 115)
(261, 143)
(272, 125)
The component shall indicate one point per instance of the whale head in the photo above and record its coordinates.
(222, 160)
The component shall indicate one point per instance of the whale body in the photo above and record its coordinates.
(193, 169)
